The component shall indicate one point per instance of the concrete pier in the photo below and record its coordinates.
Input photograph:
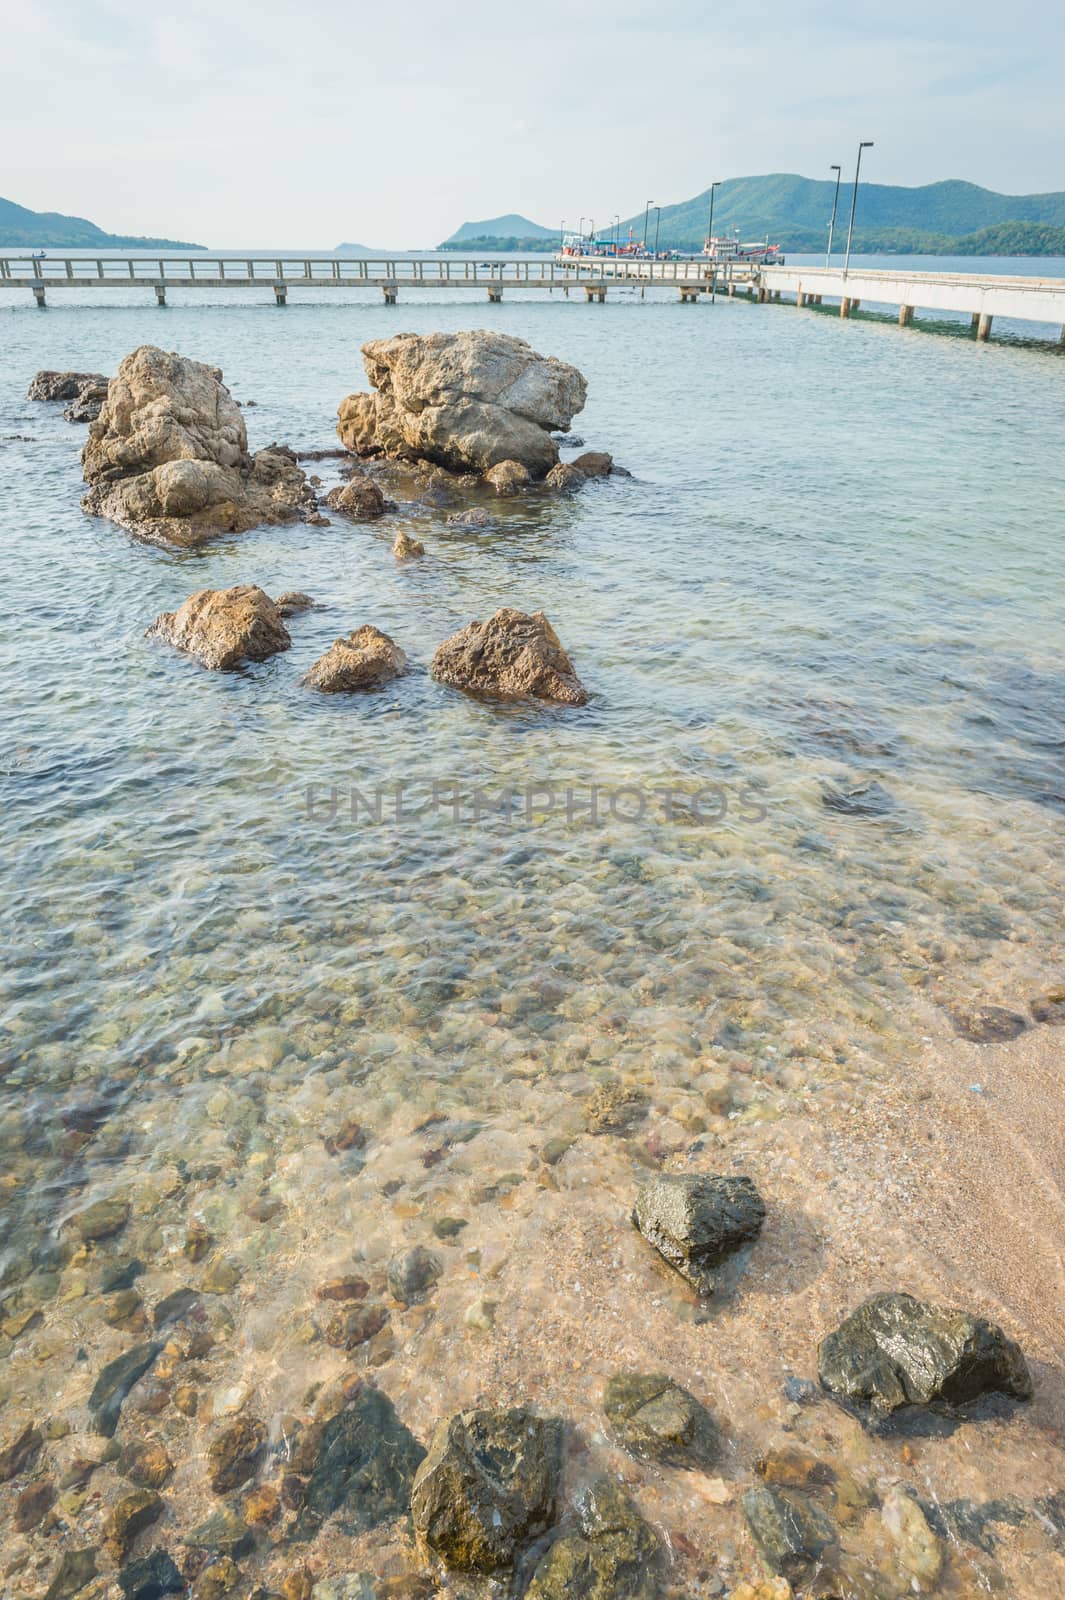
(983, 296)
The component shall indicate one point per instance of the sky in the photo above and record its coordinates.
(236, 123)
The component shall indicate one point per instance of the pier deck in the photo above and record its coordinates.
(983, 296)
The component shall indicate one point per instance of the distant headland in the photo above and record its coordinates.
(21, 228)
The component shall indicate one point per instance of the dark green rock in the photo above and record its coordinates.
(224, 1533)
(122, 1275)
(792, 1535)
(364, 1468)
(987, 1024)
(895, 1352)
(412, 1274)
(611, 1558)
(487, 1485)
(449, 1227)
(175, 1306)
(76, 1569)
(101, 1220)
(115, 1382)
(152, 1578)
(234, 1454)
(655, 1418)
(698, 1222)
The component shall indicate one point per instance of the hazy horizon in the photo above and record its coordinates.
(393, 129)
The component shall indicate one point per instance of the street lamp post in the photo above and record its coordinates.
(866, 144)
(710, 243)
(562, 234)
(647, 221)
(617, 230)
(658, 221)
(832, 225)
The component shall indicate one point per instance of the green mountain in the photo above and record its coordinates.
(20, 227)
(794, 212)
(509, 227)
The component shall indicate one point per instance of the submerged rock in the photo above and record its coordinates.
(115, 1382)
(487, 1485)
(463, 400)
(366, 659)
(412, 1274)
(655, 1418)
(168, 456)
(698, 1222)
(609, 1559)
(101, 1220)
(88, 402)
(406, 548)
(615, 1108)
(987, 1024)
(133, 1513)
(359, 498)
(863, 800)
(76, 1570)
(86, 392)
(224, 627)
(566, 478)
(364, 1469)
(234, 1455)
(510, 657)
(791, 1533)
(895, 1352)
(152, 1578)
(21, 1453)
(476, 517)
(354, 1325)
(1049, 1007)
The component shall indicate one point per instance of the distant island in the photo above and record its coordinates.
(948, 218)
(21, 228)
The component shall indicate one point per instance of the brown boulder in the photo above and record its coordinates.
(364, 660)
(508, 477)
(223, 627)
(406, 547)
(509, 657)
(359, 498)
(565, 478)
(595, 464)
(292, 601)
(168, 457)
(62, 385)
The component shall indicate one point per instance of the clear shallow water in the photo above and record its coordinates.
(836, 563)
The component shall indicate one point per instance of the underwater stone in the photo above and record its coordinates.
(697, 1222)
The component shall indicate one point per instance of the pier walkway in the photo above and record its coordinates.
(984, 296)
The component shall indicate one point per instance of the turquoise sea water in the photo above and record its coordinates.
(836, 564)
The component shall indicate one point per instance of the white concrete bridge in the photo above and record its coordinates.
(984, 296)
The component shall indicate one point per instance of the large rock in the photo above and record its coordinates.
(792, 1534)
(463, 400)
(895, 1352)
(697, 1222)
(611, 1558)
(364, 1468)
(509, 657)
(168, 456)
(359, 498)
(364, 660)
(655, 1418)
(223, 627)
(487, 1486)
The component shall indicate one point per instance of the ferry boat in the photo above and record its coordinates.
(761, 254)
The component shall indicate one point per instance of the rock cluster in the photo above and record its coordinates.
(466, 401)
(896, 1352)
(168, 457)
(85, 391)
(512, 656)
(697, 1222)
(224, 627)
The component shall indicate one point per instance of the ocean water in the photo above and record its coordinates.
(833, 571)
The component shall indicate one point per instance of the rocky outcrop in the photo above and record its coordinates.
(487, 1486)
(293, 601)
(512, 656)
(655, 1418)
(168, 457)
(406, 548)
(88, 402)
(359, 498)
(62, 385)
(364, 660)
(895, 1352)
(697, 1222)
(565, 478)
(464, 400)
(610, 1558)
(223, 627)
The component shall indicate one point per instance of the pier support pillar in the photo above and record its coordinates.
(280, 294)
(975, 319)
(391, 294)
(905, 316)
(495, 293)
(594, 291)
(983, 327)
(845, 307)
(160, 295)
(38, 294)
(800, 299)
